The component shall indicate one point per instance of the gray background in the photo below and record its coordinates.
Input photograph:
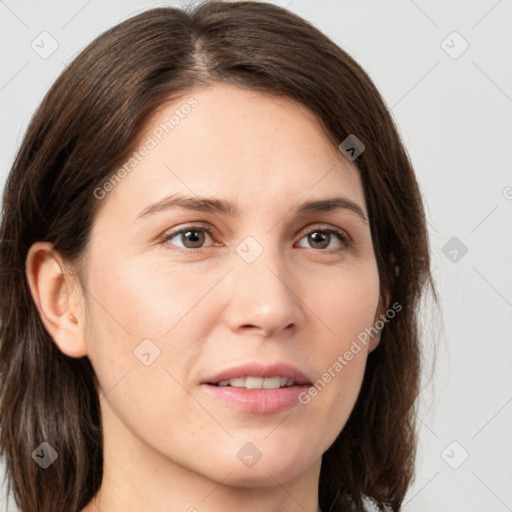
(454, 112)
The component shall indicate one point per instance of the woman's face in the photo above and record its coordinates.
(210, 261)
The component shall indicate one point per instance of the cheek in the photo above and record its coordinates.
(138, 300)
(346, 302)
(347, 305)
(138, 322)
(143, 313)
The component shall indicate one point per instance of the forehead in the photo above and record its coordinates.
(234, 143)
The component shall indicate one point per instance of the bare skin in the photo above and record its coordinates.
(170, 445)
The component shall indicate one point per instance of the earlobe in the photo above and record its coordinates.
(57, 295)
(374, 342)
(378, 323)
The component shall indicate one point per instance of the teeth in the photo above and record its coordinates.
(271, 383)
(257, 382)
(237, 383)
(254, 382)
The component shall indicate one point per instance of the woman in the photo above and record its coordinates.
(213, 249)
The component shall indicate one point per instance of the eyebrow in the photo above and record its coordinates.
(222, 206)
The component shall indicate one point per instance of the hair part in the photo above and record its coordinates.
(85, 128)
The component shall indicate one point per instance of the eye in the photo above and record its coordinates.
(322, 238)
(192, 237)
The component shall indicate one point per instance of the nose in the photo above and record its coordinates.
(264, 297)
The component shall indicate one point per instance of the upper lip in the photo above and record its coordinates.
(260, 370)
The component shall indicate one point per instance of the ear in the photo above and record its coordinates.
(378, 321)
(58, 297)
(383, 305)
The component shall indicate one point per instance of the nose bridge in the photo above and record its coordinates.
(261, 259)
(264, 295)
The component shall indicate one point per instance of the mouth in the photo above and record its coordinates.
(260, 376)
(258, 388)
(256, 383)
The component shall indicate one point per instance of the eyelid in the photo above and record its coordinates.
(326, 227)
(199, 226)
(341, 234)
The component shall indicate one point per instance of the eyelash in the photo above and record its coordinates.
(341, 235)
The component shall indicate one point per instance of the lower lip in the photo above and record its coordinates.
(262, 401)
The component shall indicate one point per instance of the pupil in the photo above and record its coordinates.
(194, 239)
(319, 238)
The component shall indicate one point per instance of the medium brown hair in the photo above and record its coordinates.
(84, 129)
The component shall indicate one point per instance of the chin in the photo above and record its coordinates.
(265, 475)
(263, 466)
